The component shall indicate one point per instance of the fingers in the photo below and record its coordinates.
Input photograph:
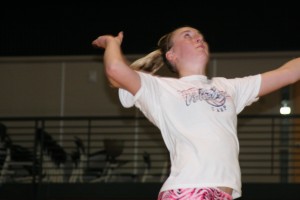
(120, 36)
(102, 40)
(95, 43)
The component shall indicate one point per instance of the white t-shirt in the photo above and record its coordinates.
(197, 118)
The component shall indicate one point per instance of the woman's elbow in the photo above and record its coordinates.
(111, 76)
(293, 78)
(114, 74)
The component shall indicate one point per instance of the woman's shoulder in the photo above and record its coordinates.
(156, 76)
(224, 79)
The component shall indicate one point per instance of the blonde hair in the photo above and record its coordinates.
(153, 61)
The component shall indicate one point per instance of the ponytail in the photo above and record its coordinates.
(152, 62)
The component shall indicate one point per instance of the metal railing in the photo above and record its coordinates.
(131, 149)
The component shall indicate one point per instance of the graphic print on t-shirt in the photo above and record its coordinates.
(212, 96)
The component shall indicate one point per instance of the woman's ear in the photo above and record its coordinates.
(170, 56)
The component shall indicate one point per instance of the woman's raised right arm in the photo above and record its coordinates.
(117, 70)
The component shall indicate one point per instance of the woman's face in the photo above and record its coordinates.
(188, 44)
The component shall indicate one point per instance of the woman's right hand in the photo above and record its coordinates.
(103, 40)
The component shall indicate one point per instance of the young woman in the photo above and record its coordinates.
(197, 116)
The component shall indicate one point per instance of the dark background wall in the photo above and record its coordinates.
(68, 29)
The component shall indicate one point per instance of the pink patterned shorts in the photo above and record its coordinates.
(194, 194)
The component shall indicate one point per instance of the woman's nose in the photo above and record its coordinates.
(199, 40)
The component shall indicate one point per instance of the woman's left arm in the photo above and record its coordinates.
(287, 74)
